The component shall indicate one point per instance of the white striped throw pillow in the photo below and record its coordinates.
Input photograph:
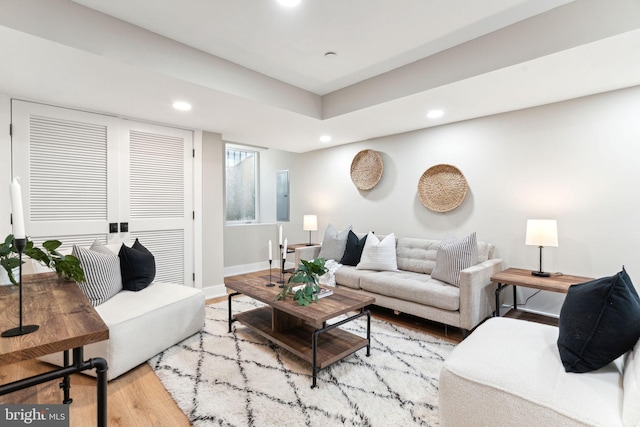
(454, 257)
(101, 273)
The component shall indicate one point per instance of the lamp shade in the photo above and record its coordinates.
(542, 232)
(310, 223)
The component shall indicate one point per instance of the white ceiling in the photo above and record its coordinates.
(257, 73)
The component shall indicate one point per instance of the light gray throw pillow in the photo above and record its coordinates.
(334, 243)
(454, 257)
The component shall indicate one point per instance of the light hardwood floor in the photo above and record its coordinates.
(137, 398)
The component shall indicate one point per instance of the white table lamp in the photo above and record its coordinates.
(310, 223)
(540, 233)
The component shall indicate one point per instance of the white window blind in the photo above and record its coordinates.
(156, 185)
(68, 161)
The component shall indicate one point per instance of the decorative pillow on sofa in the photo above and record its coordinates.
(599, 322)
(379, 255)
(101, 272)
(334, 243)
(99, 247)
(453, 257)
(353, 250)
(138, 266)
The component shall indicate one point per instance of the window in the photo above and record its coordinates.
(241, 171)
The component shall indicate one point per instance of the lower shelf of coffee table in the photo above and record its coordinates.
(333, 345)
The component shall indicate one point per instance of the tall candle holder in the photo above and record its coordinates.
(20, 244)
(283, 255)
(270, 284)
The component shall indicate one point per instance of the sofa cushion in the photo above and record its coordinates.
(334, 243)
(454, 257)
(101, 272)
(599, 322)
(379, 255)
(631, 387)
(137, 265)
(348, 276)
(418, 255)
(415, 287)
(353, 250)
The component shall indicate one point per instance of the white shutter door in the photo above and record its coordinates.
(68, 168)
(159, 205)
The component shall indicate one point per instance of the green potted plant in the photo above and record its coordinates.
(67, 266)
(307, 274)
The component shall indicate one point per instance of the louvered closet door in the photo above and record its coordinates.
(67, 162)
(158, 186)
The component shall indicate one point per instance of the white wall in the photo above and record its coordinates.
(575, 161)
(246, 246)
(211, 250)
(5, 166)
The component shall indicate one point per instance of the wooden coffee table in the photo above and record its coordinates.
(303, 330)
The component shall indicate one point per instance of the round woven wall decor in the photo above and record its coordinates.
(366, 169)
(442, 188)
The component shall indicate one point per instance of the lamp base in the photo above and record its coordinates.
(20, 330)
(541, 274)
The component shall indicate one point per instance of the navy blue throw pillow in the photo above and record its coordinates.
(599, 322)
(353, 250)
(137, 266)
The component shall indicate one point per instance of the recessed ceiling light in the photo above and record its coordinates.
(325, 138)
(182, 106)
(435, 114)
(289, 3)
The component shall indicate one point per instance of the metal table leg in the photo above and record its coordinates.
(230, 315)
(316, 333)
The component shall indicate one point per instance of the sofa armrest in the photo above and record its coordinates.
(307, 253)
(477, 292)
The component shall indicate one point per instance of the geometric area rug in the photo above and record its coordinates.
(219, 378)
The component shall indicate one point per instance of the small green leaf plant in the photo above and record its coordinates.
(307, 274)
(66, 266)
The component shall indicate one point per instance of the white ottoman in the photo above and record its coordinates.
(508, 373)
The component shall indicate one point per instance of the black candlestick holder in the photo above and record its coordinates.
(270, 284)
(20, 244)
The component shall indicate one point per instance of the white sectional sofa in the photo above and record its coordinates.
(411, 289)
(508, 372)
(141, 323)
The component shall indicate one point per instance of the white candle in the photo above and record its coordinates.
(280, 236)
(284, 250)
(17, 216)
(270, 251)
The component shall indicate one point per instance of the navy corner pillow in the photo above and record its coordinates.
(353, 250)
(599, 322)
(137, 266)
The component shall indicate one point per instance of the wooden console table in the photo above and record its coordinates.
(67, 321)
(520, 277)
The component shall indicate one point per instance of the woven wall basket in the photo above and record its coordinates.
(366, 169)
(442, 188)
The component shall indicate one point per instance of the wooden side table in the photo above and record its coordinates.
(67, 321)
(520, 277)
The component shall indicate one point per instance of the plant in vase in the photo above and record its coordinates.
(307, 274)
(67, 266)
